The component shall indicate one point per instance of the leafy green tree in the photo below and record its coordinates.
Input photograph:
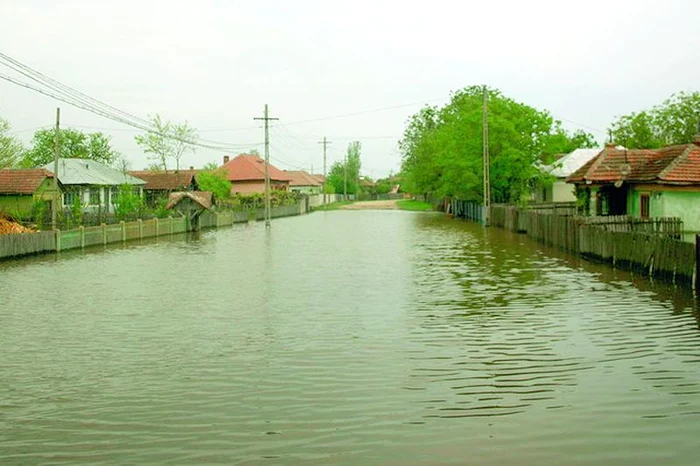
(337, 173)
(442, 147)
(211, 166)
(214, 182)
(168, 141)
(10, 148)
(73, 144)
(127, 202)
(674, 121)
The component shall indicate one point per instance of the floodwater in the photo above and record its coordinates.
(344, 337)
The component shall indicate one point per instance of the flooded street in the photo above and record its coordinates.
(344, 337)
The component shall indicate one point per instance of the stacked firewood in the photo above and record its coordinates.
(9, 227)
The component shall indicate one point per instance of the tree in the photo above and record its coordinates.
(674, 121)
(336, 175)
(211, 166)
(442, 147)
(73, 144)
(214, 182)
(167, 141)
(10, 148)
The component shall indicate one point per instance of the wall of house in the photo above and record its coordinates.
(16, 204)
(256, 186)
(306, 189)
(668, 203)
(563, 192)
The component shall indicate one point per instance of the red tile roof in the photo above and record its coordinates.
(670, 164)
(246, 167)
(166, 181)
(22, 181)
(302, 178)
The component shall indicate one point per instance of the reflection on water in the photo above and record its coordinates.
(344, 337)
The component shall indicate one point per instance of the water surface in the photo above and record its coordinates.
(345, 337)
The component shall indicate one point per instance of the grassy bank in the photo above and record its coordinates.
(333, 205)
(418, 206)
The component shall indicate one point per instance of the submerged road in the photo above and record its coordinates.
(373, 337)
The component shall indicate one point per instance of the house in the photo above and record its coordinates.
(159, 185)
(93, 184)
(643, 183)
(303, 182)
(21, 190)
(560, 169)
(247, 174)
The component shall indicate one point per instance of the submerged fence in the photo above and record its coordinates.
(55, 241)
(649, 246)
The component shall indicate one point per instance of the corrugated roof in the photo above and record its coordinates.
(90, 172)
(22, 181)
(302, 178)
(166, 181)
(246, 167)
(570, 162)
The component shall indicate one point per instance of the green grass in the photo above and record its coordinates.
(414, 205)
(333, 206)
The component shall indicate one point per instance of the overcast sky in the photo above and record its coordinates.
(216, 63)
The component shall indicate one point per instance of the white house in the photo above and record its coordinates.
(94, 183)
(560, 190)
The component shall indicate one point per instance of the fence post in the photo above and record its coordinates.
(104, 233)
(81, 229)
(171, 224)
(123, 225)
(140, 224)
(58, 240)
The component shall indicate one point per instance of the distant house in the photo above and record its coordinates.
(93, 184)
(303, 182)
(22, 189)
(159, 185)
(643, 183)
(564, 166)
(247, 174)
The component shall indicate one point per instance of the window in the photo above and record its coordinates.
(94, 196)
(644, 205)
(70, 196)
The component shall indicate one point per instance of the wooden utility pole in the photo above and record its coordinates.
(56, 150)
(345, 178)
(487, 165)
(267, 119)
(325, 143)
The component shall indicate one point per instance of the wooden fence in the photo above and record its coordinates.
(652, 247)
(13, 245)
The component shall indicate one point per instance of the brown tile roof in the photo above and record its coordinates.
(246, 167)
(320, 178)
(22, 181)
(204, 198)
(302, 178)
(166, 181)
(670, 164)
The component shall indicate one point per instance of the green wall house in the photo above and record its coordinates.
(643, 183)
(23, 191)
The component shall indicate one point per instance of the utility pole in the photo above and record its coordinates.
(325, 145)
(487, 175)
(345, 178)
(56, 150)
(266, 118)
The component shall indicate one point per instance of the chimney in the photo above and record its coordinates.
(226, 159)
(191, 167)
(610, 146)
